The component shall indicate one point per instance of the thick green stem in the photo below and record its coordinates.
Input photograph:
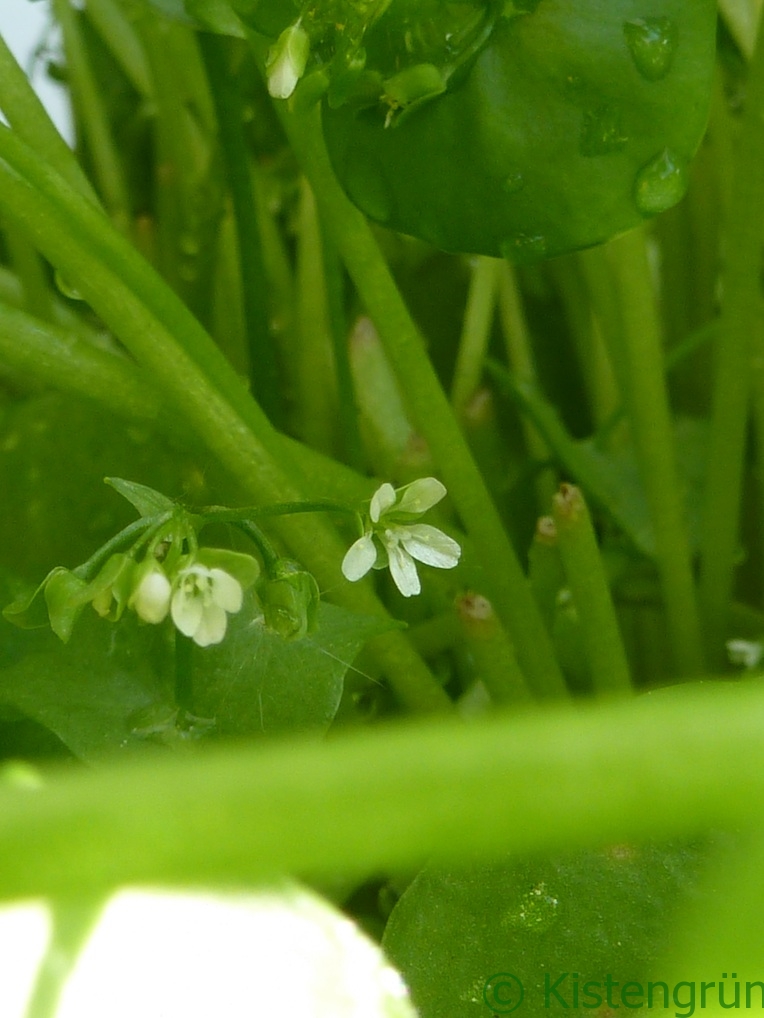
(577, 542)
(493, 655)
(26, 115)
(740, 320)
(662, 766)
(639, 350)
(505, 584)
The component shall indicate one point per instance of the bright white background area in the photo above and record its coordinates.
(23, 24)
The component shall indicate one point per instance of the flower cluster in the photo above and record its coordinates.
(393, 538)
(197, 597)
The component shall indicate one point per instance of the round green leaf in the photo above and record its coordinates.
(466, 939)
(577, 120)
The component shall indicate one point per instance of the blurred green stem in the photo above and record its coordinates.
(254, 282)
(476, 331)
(740, 321)
(86, 95)
(668, 765)
(638, 349)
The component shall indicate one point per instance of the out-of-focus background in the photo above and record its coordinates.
(24, 24)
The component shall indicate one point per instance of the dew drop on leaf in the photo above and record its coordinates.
(660, 184)
(65, 287)
(536, 910)
(523, 247)
(652, 43)
(601, 131)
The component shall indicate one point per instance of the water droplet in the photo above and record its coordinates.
(523, 247)
(660, 184)
(652, 43)
(513, 182)
(368, 187)
(65, 287)
(601, 131)
(536, 910)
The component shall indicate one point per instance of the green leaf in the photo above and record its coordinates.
(90, 691)
(147, 501)
(257, 683)
(54, 453)
(591, 913)
(575, 122)
(267, 16)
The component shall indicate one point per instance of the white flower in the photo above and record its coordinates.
(393, 539)
(286, 61)
(151, 598)
(200, 599)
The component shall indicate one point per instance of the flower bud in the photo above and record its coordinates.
(151, 592)
(289, 600)
(286, 61)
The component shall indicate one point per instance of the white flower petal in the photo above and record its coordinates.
(186, 610)
(420, 495)
(429, 545)
(151, 600)
(359, 559)
(226, 590)
(212, 627)
(402, 568)
(381, 500)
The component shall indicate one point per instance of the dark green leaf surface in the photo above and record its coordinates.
(92, 692)
(574, 123)
(592, 914)
(258, 683)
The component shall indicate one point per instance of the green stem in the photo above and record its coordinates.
(740, 320)
(651, 767)
(122, 40)
(32, 273)
(313, 363)
(493, 655)
(27, 116)
(254, 282)
(585, 575)
(334, 280)
(639, 350)
(56, 357)
(126, 536)
(476, 332)
(216, 514)
(521, 361)
(505, 583)
(184, 672)
(87, 95)
(72, 922)
(268, 553)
